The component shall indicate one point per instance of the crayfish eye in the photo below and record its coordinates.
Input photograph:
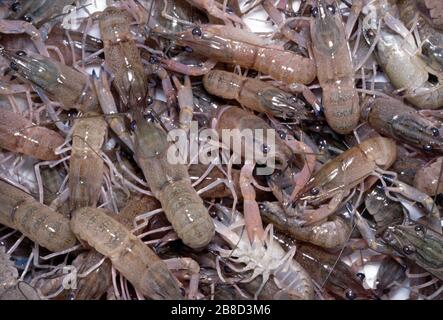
(153, 59)
(197, 32)
(315, 191)
(149, 117)
(427, 148)
(133, 125)
(350, 295)
(265, 148)
(282, 134)
(361, 276)
(370, 34)
(331, 9)
(419, 229)
(149, 100)
(388, 236)
(28, 18)
(314, 12)
(435, 132)
(408, 250)
(15, 6)
(71, 113)
(13, 66)
(20, 53)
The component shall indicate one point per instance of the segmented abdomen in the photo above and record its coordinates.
(285, 66)
(20, 211)
(129, 255)
(187, 214)
(18, 134)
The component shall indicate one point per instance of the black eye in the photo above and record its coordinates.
(387, 236)
(149, 100)
(71, 113)
(265, 148)
(370, 34)
(435, 132)
(261, 206)
(314, 12)
(331, 9)
(350, 295)
(149, 117)
(153, 59)
(408, 250)
(13, 66)
(315, 191)
(28, 18)
(421, 206)
(361, 276)
(133, 125)
(197, 32)
(421, 230)
(427, 148)
(20, 53)
(15, 6)
(282, 134)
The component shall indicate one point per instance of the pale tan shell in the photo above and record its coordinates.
(426, 179)
(8, 271)
(129, 255)
(382, 151)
